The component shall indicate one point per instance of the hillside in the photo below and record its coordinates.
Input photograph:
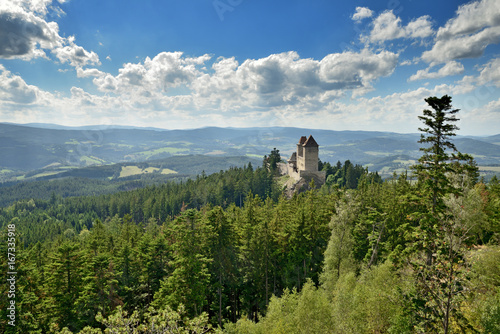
(96, 180)
(231, 250)
(50, 149)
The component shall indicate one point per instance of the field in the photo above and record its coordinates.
(135, 170)
(495, 169)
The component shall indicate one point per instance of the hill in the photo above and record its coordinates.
(97, 180)
(48, 149)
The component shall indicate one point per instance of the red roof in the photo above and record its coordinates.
(310, 142)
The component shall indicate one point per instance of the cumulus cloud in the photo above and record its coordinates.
(26, 34)
(490, 73)
(419, 28)
(362, 13)
(471, 18)
(388, 26)
(286, 79)
(23, 34)
(475, 26)
(363, 67)
(463, 46)
(166, 70)
(106, 83)
(451, 68)
(173, 82)
(13, 89)
(88, 72)
(75, 55)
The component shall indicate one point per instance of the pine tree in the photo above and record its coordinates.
(439, 242)
(64, 284)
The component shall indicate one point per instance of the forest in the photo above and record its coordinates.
(229, 253)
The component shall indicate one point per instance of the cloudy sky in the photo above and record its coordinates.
(338, 65)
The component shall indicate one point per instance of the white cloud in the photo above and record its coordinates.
(166, 70)
(285, 79)
(175, 88)
(107, 83)
(354, 68)
(450, 68)
(490, 73)
(475, 26)
(463, 46)
(362, 13)
(75, 55)
(25, 34)
(471, 18)
(13, 89)
(89, 72)
(388, 26)
(419, 28)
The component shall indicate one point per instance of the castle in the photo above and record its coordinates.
(304, 163)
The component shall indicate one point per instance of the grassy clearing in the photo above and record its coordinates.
(129, 171)
(216, 153)
(150, 170)
(490, 168)
(254, 155)
(134, 170)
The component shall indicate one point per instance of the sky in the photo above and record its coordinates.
(177, 64)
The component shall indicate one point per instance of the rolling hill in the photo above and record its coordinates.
(44, 150)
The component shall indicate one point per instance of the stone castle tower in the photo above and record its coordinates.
(304, 162)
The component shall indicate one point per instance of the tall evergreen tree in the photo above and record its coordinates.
(439, 243)
(64, 282)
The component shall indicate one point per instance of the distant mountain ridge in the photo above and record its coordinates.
(28, 147)
(51, 126)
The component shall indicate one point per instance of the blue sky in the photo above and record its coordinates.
(339, 65)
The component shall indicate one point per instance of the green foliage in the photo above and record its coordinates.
(339, 256)
(287, 314)
(273, 160)
(189, 281)
(229, 250)
(348, 175)
(440, 241)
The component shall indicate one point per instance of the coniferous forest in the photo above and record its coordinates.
(228, 252)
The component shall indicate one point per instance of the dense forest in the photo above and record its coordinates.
(228, 252)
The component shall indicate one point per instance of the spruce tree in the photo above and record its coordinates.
(439, 242)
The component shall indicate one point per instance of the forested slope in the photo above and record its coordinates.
(129, 251)
(229, 253)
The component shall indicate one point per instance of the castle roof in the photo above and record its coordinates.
(293, 158)
(302, 140)
(310, 142)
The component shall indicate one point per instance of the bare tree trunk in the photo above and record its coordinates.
(220, 299)
(375, 247)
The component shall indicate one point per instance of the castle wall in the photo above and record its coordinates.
(300, 157)
(310, 160)
(293, 172)
(304, 164)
